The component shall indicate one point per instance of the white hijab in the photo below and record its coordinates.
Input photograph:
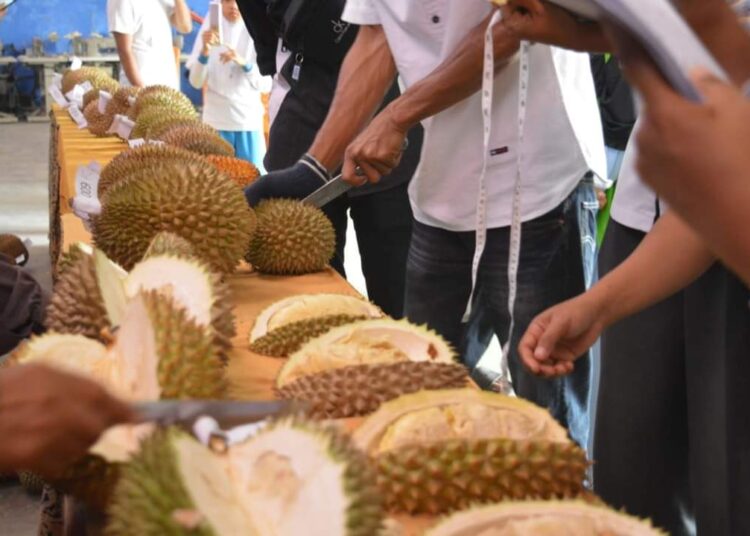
(225, 78)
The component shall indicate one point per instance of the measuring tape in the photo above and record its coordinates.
(502, 383)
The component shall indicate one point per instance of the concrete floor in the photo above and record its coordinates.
(23, 211)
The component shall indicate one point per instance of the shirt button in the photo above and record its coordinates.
(435, 19)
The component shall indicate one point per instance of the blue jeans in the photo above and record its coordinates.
(438, 282)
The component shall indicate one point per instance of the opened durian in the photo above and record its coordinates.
(242, 172)
(191, 200)
(159, 352)
(292, 238)
(138, 160)
(294, 478)
(284, 327)
(438, 451)
(98, 122)
(198, 140)
(351, 370)
(155, 120)
(553, 518)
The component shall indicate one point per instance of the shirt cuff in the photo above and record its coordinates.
(203, 60)
(361, 12)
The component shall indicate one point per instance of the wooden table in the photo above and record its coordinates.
(251, 376)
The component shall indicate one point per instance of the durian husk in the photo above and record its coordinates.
(286, 340)
(97, 77)
(157, 130)
(161, 97)
(197, 140)
(192, 200)
(170, 244)
(99, 123)
(437, 476)
(139, 159)
(291, 239)
(155, 118)
(359, 390)
(91, 96)
(120, 102)
(543, 518)
(242, 172)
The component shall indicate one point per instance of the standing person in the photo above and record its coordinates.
(226, 67)
(143, 32)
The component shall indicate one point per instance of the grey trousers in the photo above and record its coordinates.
(672, 434)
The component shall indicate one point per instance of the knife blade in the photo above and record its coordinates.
(328, 192)
(228, 414)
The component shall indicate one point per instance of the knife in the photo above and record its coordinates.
(328, 192)
(228, 414)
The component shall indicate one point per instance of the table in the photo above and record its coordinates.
(251, 376)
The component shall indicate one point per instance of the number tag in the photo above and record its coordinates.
(87, 186)
(77, 116)
(57, 81)
(104, 99)
(122, 126)
(75, 63)
(56, 93)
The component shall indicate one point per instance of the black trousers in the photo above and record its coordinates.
(383, 223)
(672, 433)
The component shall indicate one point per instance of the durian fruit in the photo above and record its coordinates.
(139, 159)
(97, 77)
(351, 370)
(284, 327)
(159, 353)
(154, 119)
(170, 244)
(106, 83)
(69, 258)
(120, 103)
(242, 172)
(191, 200)
(294, 478)
(292, 238)
(157, 130)
(197, 140)
(439, 451)
(99, 123)
(91, 96)
(31, 483)
(550, 518)
(161, 97)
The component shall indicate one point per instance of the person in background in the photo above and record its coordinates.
(224, 62)
(143, 32)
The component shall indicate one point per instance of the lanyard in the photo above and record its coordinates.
(488, 78)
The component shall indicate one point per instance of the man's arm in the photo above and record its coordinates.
(378, 149)
(181, 17)
(127, 58)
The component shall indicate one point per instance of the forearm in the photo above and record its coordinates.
(181, 19)
(455, 79)
(198, 75)
(127, 60)
(668, 259)
(366, 74)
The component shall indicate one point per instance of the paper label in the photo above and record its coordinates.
(57, 81)
(75, 63)
(87, 186)
(56, 93)
(20, 259)
(131, 101)
(122, 126)
(140, 141)
(104, 99)
(76, 94)
(77, 115)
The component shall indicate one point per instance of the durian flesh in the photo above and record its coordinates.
(563, 518)
(293, 478)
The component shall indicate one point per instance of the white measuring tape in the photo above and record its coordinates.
(502, 383)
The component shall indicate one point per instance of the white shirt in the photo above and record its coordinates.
(148, 22)
(563, 134)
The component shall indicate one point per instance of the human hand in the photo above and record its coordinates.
(560, 335)
(49, 419)
(231, 55)
(296, 182)
(542, 22)
(210, 39)
(376, 151)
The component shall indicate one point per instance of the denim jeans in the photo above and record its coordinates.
(438, 283)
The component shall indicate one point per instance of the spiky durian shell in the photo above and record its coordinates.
(361, 389)
(485, 518)
(170, 244)
(240, 171)
(151, 490)
(77, 306)
(120, 103)
(287, 339)
(155, 118)
(96, 76)
(32, 483)
(106, 83)
(161, 97)
(99, 123)
(156, 131)
(191, 200)
(197, 140)
(91, 96)
(291, 239)
(139, 159)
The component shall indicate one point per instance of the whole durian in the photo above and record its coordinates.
(191, 200)
(292, 238)
(161, 97)
(154, 120)
(559, 518)
(351, 370)
(293, 478)
(198, 140)
(439, 451)
(120, 103)
(91, 96)
(285, 326)
(141, 158)
(242, 172)
(99, 123)
(97, 77)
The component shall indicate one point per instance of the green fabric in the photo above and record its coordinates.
(603, 218)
